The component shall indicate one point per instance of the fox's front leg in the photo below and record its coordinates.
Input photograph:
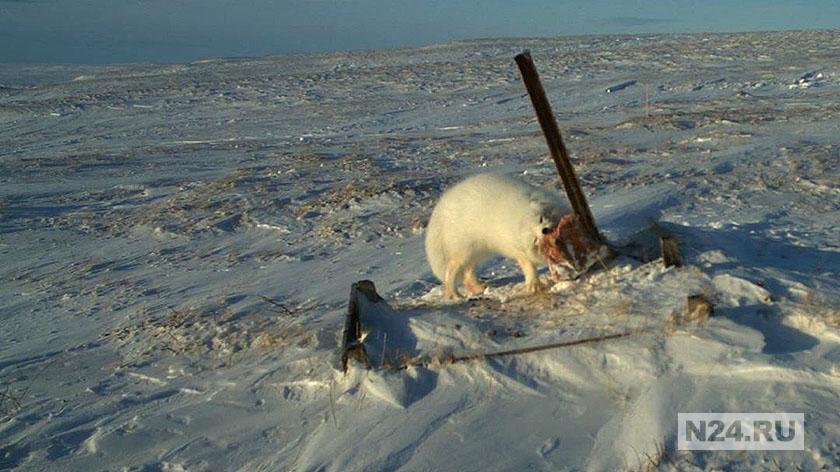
(533, 284)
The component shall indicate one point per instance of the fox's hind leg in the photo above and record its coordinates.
(471, 282)
(454, 272)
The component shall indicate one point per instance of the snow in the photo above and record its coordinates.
(177, 246)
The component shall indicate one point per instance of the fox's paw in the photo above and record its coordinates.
(475, 288)
(451, 294)
(534, 287)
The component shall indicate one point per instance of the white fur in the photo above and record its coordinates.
(486, 215)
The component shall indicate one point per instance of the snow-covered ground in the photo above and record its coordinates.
(177, 245)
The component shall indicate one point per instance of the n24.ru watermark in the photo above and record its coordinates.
(741, 431)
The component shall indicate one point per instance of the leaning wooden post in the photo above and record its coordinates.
(555, 143)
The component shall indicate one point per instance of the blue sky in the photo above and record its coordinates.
(108, 31)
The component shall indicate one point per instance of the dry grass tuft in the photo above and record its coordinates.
(217, 331)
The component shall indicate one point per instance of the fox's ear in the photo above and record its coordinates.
(549, 218)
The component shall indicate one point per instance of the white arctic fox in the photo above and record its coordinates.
(485, 215)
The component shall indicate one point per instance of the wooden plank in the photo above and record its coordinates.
(352, 347)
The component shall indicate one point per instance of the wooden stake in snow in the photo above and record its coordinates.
(352, 347)
(670, 251)
(699, 309)
(555, 143)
